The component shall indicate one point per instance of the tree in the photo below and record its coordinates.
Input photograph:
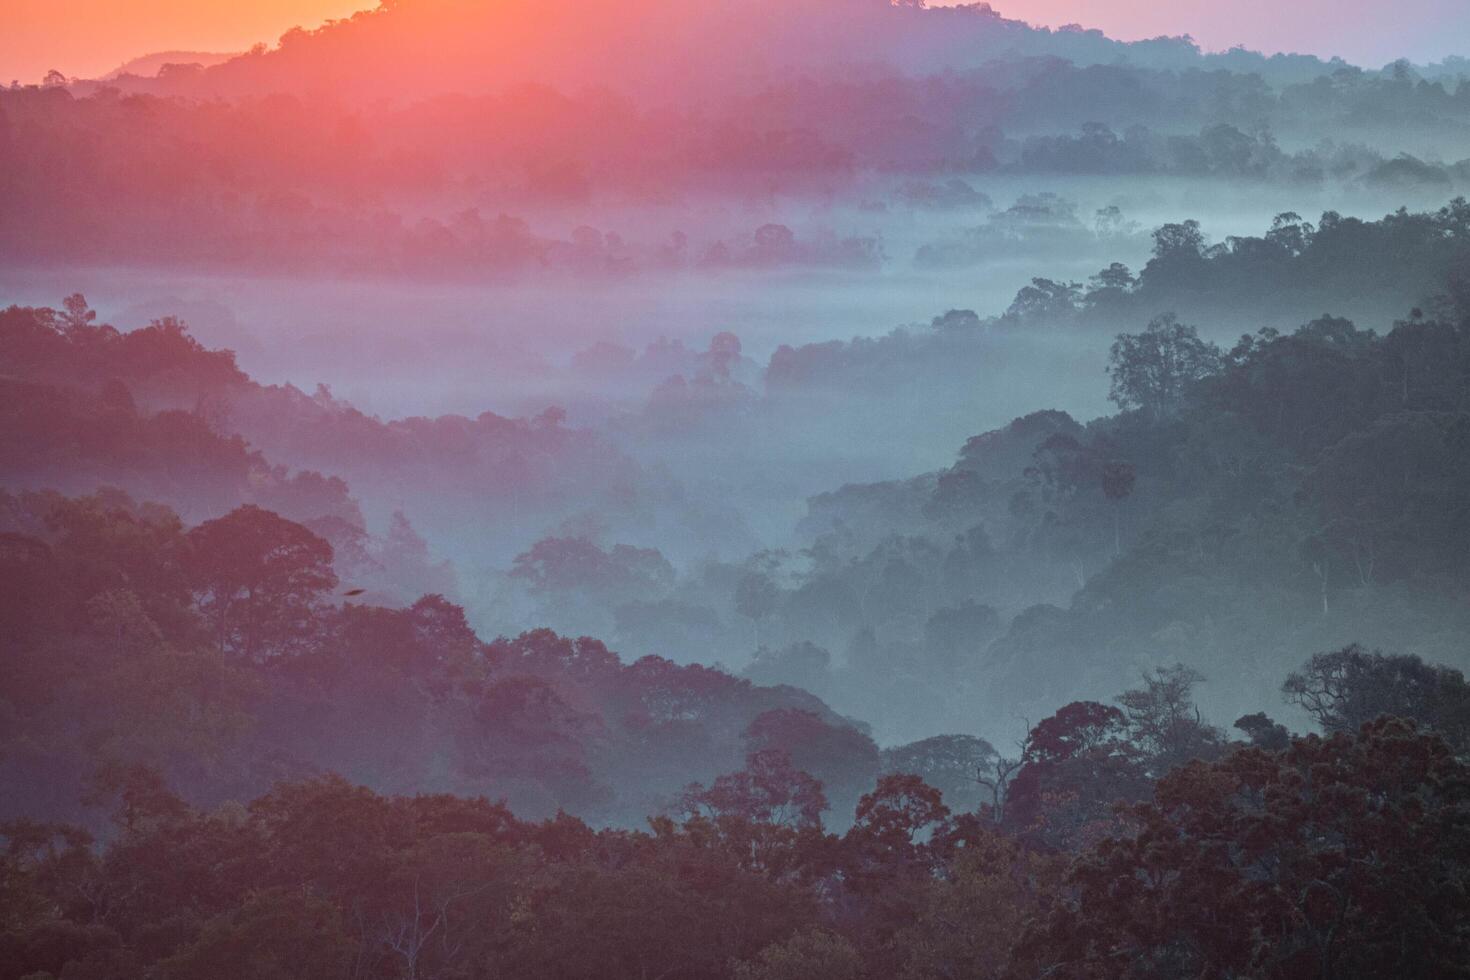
(1116, 276)
(665, 908)
(1263, 732)
(1154, 370)
(1290, 232)
(956, 636)
(769, 790)
(1046, 299)
(1073, 488)
(1388, 498)
(1109, 221)
(1074, 730)
(723, 354)
(756, 597)
(77, 315)
(953, 764)
(1076, 765)
(116, 544)
(997, 782)
(119, 615)
(897, 845)
(408, 564)
(804, 665)
(1118, 479)
(893, 831)
(774, 243)
(957, 321)
(767, 815)
(561, 565)
(143, 799)
(526, 736)
(967, 921)
(258, 578)
(845, 759)
(1340, 857)
(577, 564)
(1163, 719)
(1345, 689)
(1183, 240)
(445, 896)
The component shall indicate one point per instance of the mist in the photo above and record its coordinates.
(885, 465)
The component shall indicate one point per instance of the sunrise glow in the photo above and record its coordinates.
(88, 38)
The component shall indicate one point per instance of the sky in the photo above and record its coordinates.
(89, 38)
(1365, 32)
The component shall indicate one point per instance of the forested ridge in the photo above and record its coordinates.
(248, 165)
(146, 661)
(194, 709)
(1340, 855)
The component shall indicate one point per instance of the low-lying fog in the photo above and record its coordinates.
(601, 346)
(457, 347)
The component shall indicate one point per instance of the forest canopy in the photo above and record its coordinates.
(739, 490)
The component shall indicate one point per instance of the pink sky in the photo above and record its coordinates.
(91, 37)
(1367, 32)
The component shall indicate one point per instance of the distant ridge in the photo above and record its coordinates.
(417, 48)
(148, 65)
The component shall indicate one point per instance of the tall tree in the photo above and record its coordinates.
(257, 578)
(1345, 689)
(1154, 370)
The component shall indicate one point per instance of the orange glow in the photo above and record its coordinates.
(89, 38)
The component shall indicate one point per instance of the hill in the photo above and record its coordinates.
(419, 47)
(149, 65)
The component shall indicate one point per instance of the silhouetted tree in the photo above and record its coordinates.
(257, 578)
(1154, 370)
(1345, 689)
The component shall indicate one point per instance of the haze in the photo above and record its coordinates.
(737, 490)
(88, 38)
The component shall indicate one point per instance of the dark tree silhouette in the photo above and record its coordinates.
(1153, 371)
(257, 578)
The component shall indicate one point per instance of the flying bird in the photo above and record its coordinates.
(354, 592)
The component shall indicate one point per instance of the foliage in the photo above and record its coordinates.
(1334, 857)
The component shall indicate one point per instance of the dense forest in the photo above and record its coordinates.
(1338, 855)
(1297, 487)
(282, 184)
(817, 490)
